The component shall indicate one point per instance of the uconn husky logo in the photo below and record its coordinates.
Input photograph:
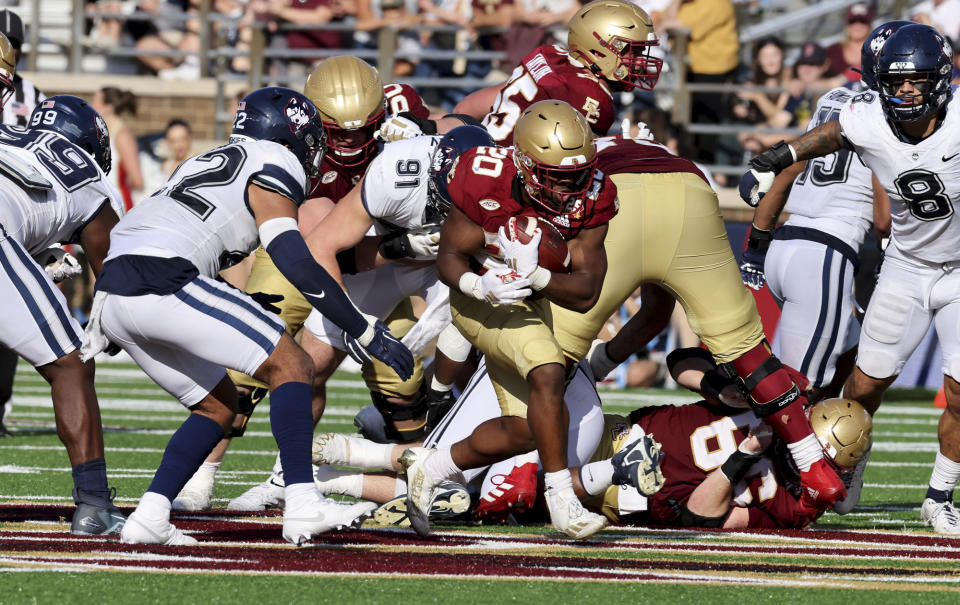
(876, 45)
(297, 113)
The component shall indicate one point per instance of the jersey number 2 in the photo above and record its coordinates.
(229, 161)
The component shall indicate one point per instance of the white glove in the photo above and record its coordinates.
(498, 289)
(398, 129)
(424, 246)
(59, 264)
(524, 259)
(643, 131)
(600, 363)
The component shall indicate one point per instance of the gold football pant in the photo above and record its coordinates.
(514, 338)
(294, 309)
(669, 232)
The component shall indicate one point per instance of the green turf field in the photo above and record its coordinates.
(139, 418)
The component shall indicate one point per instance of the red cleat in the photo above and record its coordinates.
(821, 485)
(515, 492)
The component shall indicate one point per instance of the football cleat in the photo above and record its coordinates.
(331, 448)
(421, 487)
(451, 500)
(93, 520)
(516, 491)
(569, 516)
(821, 485)
(853, 481)
(262, 496)
(321, 515)
(941, 516)
(638, 464)
(136, 532)
(197, 494)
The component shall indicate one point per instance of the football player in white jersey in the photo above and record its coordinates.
(53, 191)
(157, 299)
(907, 133)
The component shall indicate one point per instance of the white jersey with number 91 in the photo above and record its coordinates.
(922, 179)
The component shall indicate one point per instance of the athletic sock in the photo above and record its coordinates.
(153, 509)
(596, 477)
(559, 483)
(298, 495)
(364, 453)
(333, 481)
(944, 478)
(529, 457)
(291, 421)
(186, 451)
(436, 385)
(441, 464)
(90, 483)
(399, 487)
(805, 452)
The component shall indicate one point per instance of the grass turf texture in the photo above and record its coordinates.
(139, 419)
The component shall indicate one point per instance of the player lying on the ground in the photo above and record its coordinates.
(906, 132)
(158, 300)
(53, 191)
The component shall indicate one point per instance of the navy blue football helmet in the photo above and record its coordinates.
(872, 47)
(286, 117)
(918, 53)
(455, 142)
(78, 122)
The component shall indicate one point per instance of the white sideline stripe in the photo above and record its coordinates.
(902, 464)
(12, 468)
(160, 417)
(906, 446)
(169, 406)
(128, 450)
(909, 410)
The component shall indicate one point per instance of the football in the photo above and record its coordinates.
(554, 254)
(844, 428)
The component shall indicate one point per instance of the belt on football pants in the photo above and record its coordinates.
(813, 235)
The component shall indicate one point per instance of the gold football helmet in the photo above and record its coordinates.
(8, 68)
(555, 153)
(348, 93)
(614, 38)
(844, 428)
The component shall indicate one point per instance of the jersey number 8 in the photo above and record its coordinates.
(924, 194)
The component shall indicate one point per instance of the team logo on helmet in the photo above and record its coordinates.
(876, 44)
(102, 133)
(297, 113)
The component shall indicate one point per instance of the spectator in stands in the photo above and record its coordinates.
(713, 53)
(533, 20)
(845, 56)
(764, 109)
(809, 82)
(106, 30)
(447, 12)
(161, 154)
(18, 109)
(167, 32)
(374, 14)
(497, 15)
(114, 104)
(941, 14)
(305, 12)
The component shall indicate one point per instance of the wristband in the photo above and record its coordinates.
(469, 284)
(737, 466)
(759, 239)
(427, 126)
(394, 246)
(540, 278)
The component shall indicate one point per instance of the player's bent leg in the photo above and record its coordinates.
(938, 510)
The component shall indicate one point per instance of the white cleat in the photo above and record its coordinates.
(941, 516)
(135, 532)
(268, 494)
(321, 515)
(569, 516)
(421, 487)
(854, 484)
(331, 448)
(197, 494)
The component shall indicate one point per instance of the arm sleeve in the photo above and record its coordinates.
(292, 257)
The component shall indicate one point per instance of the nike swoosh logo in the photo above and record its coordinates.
(321, 295)
(947, 159)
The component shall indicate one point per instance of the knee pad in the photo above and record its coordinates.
(689, 519)
(246, 403)
(763, 380)
(392, 412)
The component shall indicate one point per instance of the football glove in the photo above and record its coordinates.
(757, 181)
(498, 289)
(643, 132)
(377, 342)
(524, 259)
(418, 246)
(266, 301)
(59, 264)
(405, 125)
(754, 256)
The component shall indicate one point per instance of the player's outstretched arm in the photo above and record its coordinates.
(764, 168)
(579, 290)
(280, 236)
(340, 230)
(95, 237)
